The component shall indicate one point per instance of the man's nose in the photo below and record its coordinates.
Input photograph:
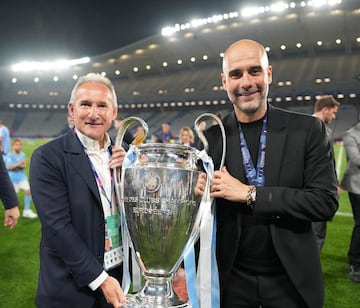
(93, 112)
(246, 80)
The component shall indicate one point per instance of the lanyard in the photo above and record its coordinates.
(101, 185)
(254, 177)
(97, 176)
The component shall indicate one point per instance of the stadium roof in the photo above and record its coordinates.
(313, 50)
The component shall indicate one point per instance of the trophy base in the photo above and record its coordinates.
(140, 301)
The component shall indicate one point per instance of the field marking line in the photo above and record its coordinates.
(344, 214)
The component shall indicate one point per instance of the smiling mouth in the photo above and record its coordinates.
(93, 124)
(247, 93)
(246, 96)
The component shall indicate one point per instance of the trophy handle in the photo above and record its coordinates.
(125, 125)
(196, 227)
(202, 137)
(126, 241)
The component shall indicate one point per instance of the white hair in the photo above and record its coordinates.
(95, 78)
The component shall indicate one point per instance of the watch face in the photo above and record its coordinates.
(253, 196)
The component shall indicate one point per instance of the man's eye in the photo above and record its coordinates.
(236, 75)
(256, 71)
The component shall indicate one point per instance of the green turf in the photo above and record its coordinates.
(20, 262)
(19, 253)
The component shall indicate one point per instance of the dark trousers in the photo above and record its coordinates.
(245, 290)
(100, 301)
(354, 250)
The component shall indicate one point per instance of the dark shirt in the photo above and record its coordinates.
(256, 253)
(164, 138)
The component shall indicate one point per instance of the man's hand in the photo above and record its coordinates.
(225, 186)
(112, 292)
(179, 285)
(339, 190)
(11, 217)
(117, 157)
(200, 184)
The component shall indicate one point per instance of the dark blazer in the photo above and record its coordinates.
(67, 200)
(7, 193)
(300, 187)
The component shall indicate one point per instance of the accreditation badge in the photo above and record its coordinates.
(113, 251)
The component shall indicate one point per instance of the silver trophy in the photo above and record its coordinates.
(160, 201)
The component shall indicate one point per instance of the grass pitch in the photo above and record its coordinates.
(19, 255)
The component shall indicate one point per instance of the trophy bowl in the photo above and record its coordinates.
(160, 204)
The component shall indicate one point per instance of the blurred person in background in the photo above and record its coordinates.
(71, 180)
(69, 125)
(165, 135)
(325, 109)
(8, 197)
(15, 162)
(186, 136)
(351, 183)
(202, 128)
(219, 115)
(5, 139)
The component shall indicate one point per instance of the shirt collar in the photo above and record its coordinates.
(92, 145)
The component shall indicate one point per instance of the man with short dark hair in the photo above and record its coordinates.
(165, 135)
(325, 109)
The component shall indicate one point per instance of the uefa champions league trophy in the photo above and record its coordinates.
(160, 203)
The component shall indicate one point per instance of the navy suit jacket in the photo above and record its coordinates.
(300, 187)
(68, 202)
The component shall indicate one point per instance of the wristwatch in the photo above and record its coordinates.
(251, 197)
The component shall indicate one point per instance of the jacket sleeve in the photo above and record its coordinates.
(307, 183)
(352, 148)
(7, 193)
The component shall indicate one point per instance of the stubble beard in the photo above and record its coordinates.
(249, 108)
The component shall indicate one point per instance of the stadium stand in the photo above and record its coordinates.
(313, 51)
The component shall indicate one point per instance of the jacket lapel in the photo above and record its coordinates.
(77, 158)
(275, 143)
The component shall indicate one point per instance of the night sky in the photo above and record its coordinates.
(49, 30)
